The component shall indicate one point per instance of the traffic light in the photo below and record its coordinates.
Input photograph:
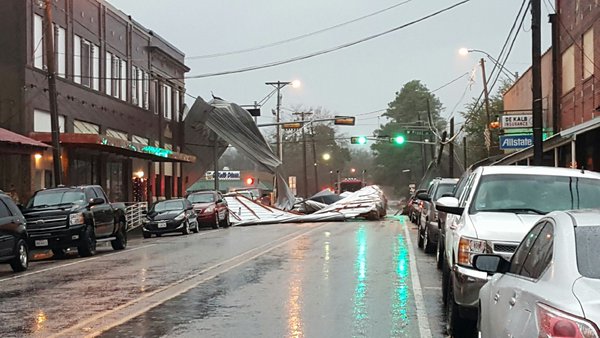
(344, 120)
(292, 125)
(250, 181)
(358, 140)
(400, 139)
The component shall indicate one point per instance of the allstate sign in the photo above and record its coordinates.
(515, 141)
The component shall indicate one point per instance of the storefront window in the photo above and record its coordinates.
(114, 182)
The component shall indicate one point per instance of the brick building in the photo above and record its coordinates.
(120, 100)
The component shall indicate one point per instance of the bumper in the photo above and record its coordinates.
(56, 239)
(170, 226)
(206, 218)
(467, 283)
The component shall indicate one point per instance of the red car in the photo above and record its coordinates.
(211, 208)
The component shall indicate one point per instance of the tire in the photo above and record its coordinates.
(216, 223)
(87, 247)
(196, 228)
(21, 260)
(120, 242)
(420, 241)
(186, 227)
(445, 279)
(59, 253)
(146, 234)
(427, 245)
(439, 254)
(455, 325)
(225, 223)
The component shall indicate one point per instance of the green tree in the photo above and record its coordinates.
(475, 124)
(399, 165)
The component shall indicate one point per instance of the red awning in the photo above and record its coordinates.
(117, 146)
(13, 143)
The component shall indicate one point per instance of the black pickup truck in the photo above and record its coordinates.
(64, 217)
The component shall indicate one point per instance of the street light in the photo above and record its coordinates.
(326, 157)
(465, 51)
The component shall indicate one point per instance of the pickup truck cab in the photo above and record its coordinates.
(496, 208)
(64, 217)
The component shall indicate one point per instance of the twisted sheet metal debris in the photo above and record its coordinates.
(367, 202)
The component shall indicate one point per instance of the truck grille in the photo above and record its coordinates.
(44, 224)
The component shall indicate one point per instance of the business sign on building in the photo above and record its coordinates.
(515, 141)
(517, 121)
(223, 175)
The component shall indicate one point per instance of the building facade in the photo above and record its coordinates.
(120, 100)
(576, 45)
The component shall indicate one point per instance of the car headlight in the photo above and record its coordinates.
(77, 218)
(209, 209)
(469, 247)
(180, 216)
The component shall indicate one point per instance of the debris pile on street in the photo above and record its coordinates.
(368, 202)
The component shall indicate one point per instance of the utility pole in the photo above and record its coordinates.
(422, 147)
(536, 80)
(314, 149)
(465, 152)
(487, 133)
(51, 64)
(304, 169)
(451, 150)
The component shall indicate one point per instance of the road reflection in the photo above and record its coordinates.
(40, 320)
(294, 303)
(326, 248)
(400, 318)
(360, 270)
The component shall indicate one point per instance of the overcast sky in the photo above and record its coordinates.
(352, 81)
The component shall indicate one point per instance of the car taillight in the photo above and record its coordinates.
(555, 323)
(420, 204)
(467, 248)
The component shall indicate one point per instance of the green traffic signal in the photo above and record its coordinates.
(358, 140)
(399, 139)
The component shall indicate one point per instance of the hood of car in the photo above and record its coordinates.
(502, 226)
(203, 205)
(165, 215)
(587, 291)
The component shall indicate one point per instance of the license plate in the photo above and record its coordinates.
(41, 242)
(162, 225)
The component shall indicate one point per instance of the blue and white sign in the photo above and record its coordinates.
(515, 141)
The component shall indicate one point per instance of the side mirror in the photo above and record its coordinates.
(449, 205)
(448, 194)
(96, 201)
(424, 197)
(491, 263)
(219, 201)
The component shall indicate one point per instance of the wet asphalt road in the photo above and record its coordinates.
(346, 279)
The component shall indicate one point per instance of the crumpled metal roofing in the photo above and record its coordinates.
(370, 199)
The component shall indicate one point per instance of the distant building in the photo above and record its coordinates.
(120, 100)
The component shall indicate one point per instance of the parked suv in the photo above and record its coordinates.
(13, 235)
(211, 208)
(429, 225)
(64, 217)
(498, 206)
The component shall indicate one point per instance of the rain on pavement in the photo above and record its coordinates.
(296, 280)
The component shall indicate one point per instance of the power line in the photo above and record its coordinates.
(296, 38)
(328, 50)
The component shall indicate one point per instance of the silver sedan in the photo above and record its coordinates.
(551, 285)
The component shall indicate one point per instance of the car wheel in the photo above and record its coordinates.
(186, 227)
(59, 253)
(420, 241)
(445, 279)
(21, 260)
(120, 242)
(455, 325)
(226, 223)
(196, 228)
(427, 245)
(87, 247)
(439, 254)
(216, 222)
(146, 234)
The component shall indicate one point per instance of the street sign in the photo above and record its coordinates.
(517, 121)
(516, 141)
(418, 132)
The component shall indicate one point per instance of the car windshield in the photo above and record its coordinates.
(201, 198)
(588, 250)
(443, 189)
(55, 197)
(536, 194)
(169, 206)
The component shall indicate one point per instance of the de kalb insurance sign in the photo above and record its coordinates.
(515, 141)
